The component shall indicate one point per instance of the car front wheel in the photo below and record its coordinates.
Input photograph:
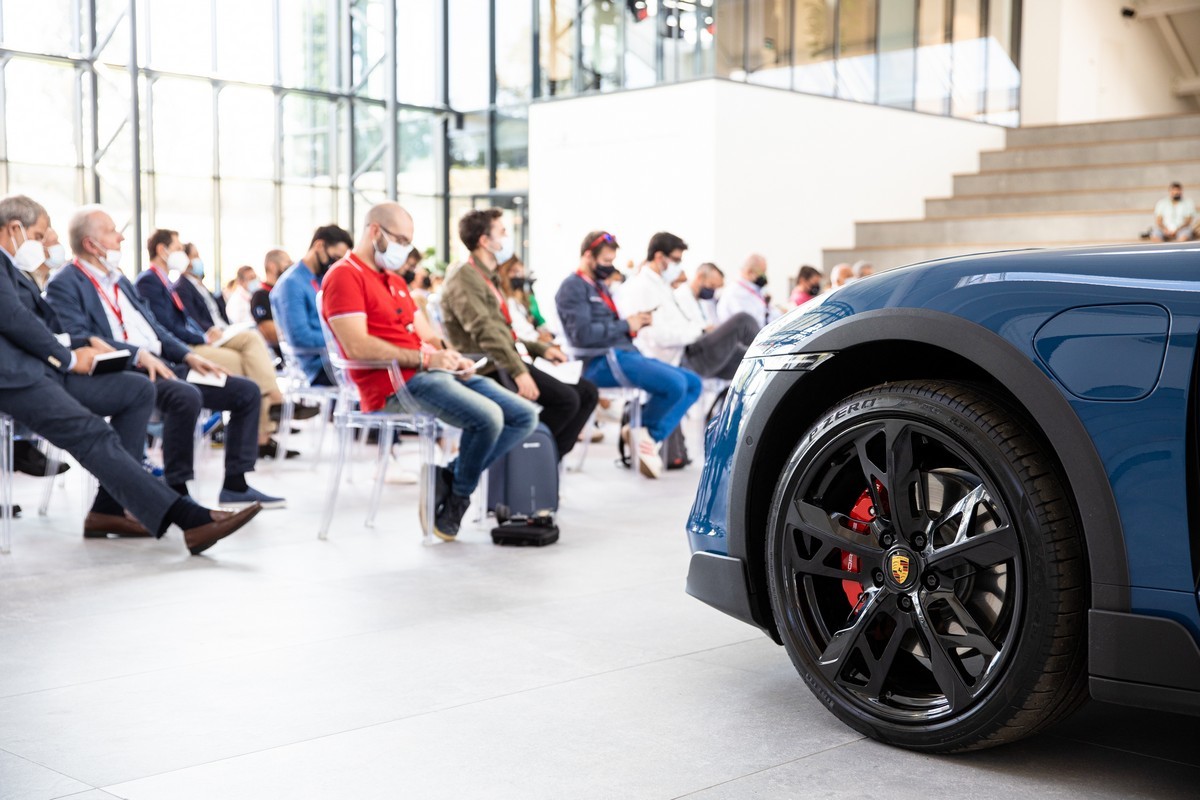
(926, 571)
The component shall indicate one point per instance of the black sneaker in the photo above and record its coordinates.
(448, 520)
(299, 411)
(443, 481)
(28, 459)
(271, 450)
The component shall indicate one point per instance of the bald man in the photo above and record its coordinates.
(747, 295)
(840, 275)
(373, 316)
(274, 265)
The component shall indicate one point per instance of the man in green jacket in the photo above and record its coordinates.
(477, 320)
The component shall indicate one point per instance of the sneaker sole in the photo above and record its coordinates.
(445, 537)
(238, 506)
(647, 470)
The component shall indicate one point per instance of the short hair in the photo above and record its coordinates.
(1174, 185)
(596, 241)
(81, 226)
(161, 236)
(21, 208)
(278, 257)
(475, 224)
(665, 243)
(190, 247)
(332, 234)
(708, 266)
(807, 273)
(242, 271)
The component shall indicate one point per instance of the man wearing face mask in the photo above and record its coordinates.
(93, 298)
(45, 385)
(294, 299)
(373, 317)
(206, 308)
(56, 257)
(592, 325)
(747, 294)
(477, 319)
(243, 354)
(678, 337)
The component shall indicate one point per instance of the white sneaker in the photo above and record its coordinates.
(650, 463)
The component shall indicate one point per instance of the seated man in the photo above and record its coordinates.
(294, 299)
(373, 317)
(204, 307)
(93, 298)
(698, 297)
(592, 325)
(274, 263)
(1174, 217)
(237, 300)
(677, 336)
(45, 385)
(746, 294)
(478, 320)
(244, 354)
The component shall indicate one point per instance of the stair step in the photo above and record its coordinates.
(1119, 130)
(885, 258)
(1129, 176)
(1046, 203)
(1014, 229)
(1085, 155)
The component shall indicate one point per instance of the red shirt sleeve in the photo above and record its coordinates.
(344, 293)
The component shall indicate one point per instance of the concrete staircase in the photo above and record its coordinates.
(1051, 186)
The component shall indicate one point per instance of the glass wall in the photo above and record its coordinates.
(948, 57)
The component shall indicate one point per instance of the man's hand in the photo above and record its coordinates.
(84, 356)
(555, 355)
(640, 320)
(445, 359)
(466, 366)
(212, 334)
(526, 387)
(203, 365)
(154, 366)
(100, 345)
(545, 336)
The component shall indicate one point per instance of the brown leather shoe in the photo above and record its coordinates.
(101, 526)
(202, 537)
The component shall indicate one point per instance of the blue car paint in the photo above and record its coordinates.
(1140, 437)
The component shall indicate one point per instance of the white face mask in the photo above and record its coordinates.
(672, 272)
(177, 261)
(197, 268)
(30, 254)
(506, 250)
(57, 256)
(394, 257)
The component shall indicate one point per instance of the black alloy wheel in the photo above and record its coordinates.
(925, 569)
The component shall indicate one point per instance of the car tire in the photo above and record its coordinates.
(925, 569)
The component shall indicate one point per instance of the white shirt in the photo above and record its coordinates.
(1173, 214)
(742, 295)
(237, 307)
(135, 329)
(521, 323)
(672, 329)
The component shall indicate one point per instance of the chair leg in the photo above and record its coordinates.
(586, 443)
(284, 431)
(427, 441)
(53, 455)
(335, 481)
(386, 432)
(325, 402)
(6, 483)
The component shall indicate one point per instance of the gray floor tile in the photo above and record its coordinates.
(24, 780)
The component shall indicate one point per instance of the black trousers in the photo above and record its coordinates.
(717, 353)
(566, 407)
(179, 404)
(50, 408)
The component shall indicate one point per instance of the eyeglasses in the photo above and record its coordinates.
(604, 237)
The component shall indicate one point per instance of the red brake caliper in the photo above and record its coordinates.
(861, 517)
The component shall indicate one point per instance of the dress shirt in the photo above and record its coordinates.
(672, 329)
(137, 331)
(744, 296)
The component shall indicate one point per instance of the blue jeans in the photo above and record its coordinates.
(493, 419)
(672, 389)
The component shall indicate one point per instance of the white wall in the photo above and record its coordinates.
(1083, 62)
(733, 169)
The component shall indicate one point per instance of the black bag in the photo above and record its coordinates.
(537, 530)
(673, 451)
(525, 479)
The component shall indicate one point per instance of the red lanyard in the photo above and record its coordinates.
(608, 301)
(499, 297)
(753, 289)
(114, 304)
(174, 295)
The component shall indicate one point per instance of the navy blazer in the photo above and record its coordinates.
(587, 321)
(175, 319)
(28, 350)
(194, 305)
(74, 299)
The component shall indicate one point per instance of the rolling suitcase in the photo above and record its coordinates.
(526, 478)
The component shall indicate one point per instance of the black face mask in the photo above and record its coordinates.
(517, 283)
(815, 289)
(410, 275)
(707, 293)
(760, 281)
(604, 271)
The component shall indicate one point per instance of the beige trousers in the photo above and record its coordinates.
(247, 355)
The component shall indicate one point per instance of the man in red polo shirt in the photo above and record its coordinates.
(374, 317)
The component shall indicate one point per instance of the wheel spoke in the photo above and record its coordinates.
(877, 607)
(807, 520)
(890, 484)
(972, 636)
(943, 663)
(982, 550)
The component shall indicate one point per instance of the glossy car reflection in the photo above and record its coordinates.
(964, 495)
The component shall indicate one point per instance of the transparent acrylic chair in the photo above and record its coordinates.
(6, 482)
(294, 385)
(626, 392)
(347, 418)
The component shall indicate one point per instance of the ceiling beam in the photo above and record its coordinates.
(1149, 9)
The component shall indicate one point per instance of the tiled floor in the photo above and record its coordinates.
(370, 666)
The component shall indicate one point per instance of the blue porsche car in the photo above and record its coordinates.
(965, 495)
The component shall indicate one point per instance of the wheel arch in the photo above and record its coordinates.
(883, 346)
